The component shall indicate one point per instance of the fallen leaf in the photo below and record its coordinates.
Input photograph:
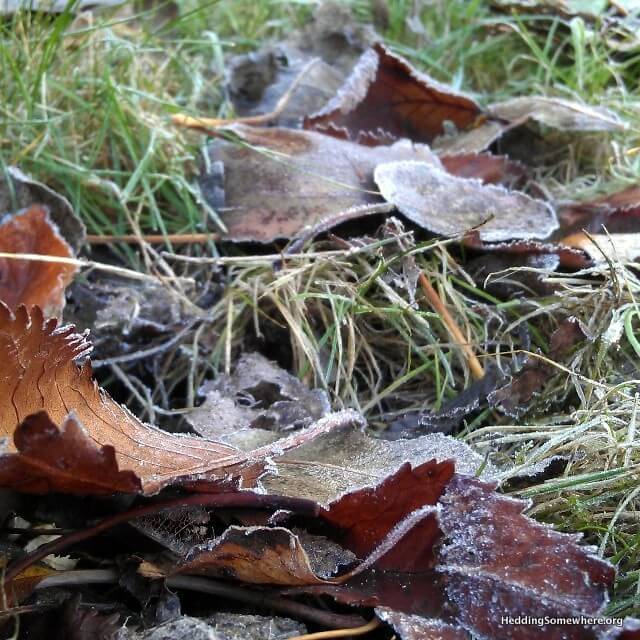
(497, 563)
(280, 182)
(257, 80)
(31, 282)
(20, 191)
(412, 627)
(485, 167)
(40, 375)
(387, 98)
(450, 206)
(557, 113)
(515, 397)
(501, 117)
(256, 404)
(611, 222)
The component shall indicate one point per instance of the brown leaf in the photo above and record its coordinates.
(367, 516)
(30, 282)
(556, 113)
(280, 182)
(257, 555)
(40, 374)
(569, 257)
(385, 96)
(612, 222)
(450, 206)
(20, 191)
(486, 168)
(64, 460)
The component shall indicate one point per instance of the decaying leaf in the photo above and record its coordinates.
(257, 80)
(515, 397)
(557, 113)
(256, 404)
(280, 182)
(40, 374)
(450, 206)
(33, 282)
(20, 191)
(386, 98)
(611, 223)
(485, 167)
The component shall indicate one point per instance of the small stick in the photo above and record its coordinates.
(207, 124)
(341, 633)
(434, 299)
(242, 593)
(175, 238)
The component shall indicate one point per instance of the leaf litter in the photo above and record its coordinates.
(278, 486)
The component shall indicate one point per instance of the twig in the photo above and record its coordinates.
(263, 600)
(476, 368)
(341, 633)
(242, 499)
(207, 124)
(173, 238)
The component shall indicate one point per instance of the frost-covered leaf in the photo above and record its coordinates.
(503, 117)
(256, 404)
(40, 374)
(487, 168)
(515, 397)
(499, 563)
(450, 206)
(31, 282)
(385, 98)
(279, 183)
(612, 223)
(412, 627)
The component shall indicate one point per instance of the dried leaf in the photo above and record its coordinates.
(486, 168)
(40, 374)
(279, 182)
(612, 222)
(451, 206)
(516, 396)
(255, 404)
(386, 97)
(556, 113)
(20, 191)
(30, 282)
